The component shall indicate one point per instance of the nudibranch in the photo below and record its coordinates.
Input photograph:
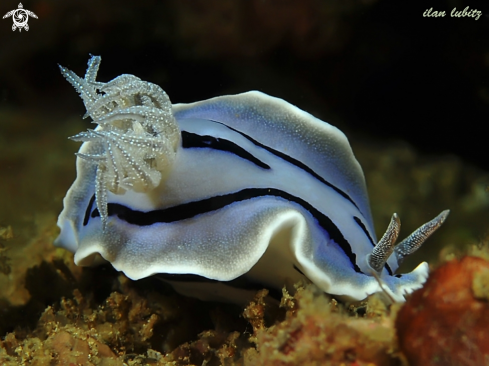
(236, 186)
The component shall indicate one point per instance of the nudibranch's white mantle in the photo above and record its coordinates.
(242, 185)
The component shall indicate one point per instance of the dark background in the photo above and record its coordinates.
(376, 69)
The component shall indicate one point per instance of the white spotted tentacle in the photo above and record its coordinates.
(414, 241)
(384, 248)
(387, 245)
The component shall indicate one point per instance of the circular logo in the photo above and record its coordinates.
(20, 18)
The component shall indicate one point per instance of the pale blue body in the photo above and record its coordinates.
(263, 237)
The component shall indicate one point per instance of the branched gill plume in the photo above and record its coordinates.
(135, 142)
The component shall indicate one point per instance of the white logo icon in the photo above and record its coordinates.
(20, 17)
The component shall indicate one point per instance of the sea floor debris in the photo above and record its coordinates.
(137, 326)
(103, 318)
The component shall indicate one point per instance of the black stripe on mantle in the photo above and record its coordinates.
(190, 209)
(293, 161)
(193, 140)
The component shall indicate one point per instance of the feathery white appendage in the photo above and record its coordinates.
(136, 134)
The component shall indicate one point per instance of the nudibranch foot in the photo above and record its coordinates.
(235, 187)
